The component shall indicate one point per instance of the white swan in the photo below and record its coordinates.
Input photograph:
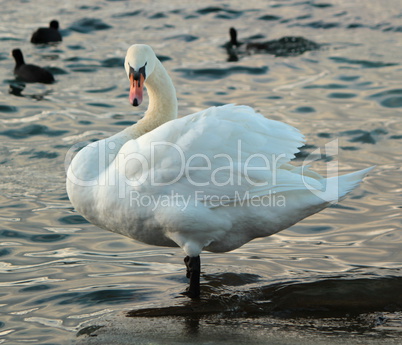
(213, 180)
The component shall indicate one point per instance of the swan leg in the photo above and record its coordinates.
(193, 264)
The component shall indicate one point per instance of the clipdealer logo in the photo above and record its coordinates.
(217, 181)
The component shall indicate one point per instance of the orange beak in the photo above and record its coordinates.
(136, 89)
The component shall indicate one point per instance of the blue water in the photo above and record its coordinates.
(58, 271)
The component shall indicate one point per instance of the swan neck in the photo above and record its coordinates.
(162, 105)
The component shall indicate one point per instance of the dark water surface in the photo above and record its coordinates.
(333, 278)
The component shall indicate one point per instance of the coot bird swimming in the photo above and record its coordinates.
(30, 73)
(285, 46)
(46, 35)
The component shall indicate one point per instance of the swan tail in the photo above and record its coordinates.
(350, 181)
(338, 187)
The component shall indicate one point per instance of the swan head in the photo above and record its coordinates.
(139, 64)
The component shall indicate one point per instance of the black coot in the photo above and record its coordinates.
(46, 35)
(285, 46)
(30, 73)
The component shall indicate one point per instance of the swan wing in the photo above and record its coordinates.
(220, 151)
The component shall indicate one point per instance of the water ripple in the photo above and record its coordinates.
(362, 63)
(32, 130)
(87, 25)
(219, 73)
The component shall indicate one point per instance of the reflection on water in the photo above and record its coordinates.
(245, 294)
(326, 309)
(59, 271)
